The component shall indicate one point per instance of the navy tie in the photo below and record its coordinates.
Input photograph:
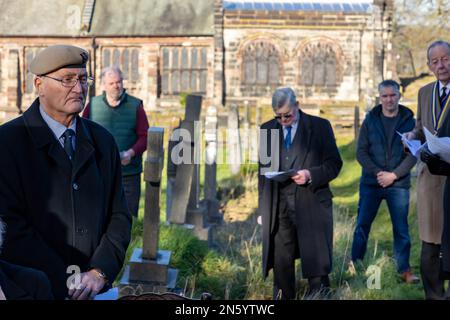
(287, 140)
(68, 145)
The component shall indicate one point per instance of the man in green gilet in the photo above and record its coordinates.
(123, 115)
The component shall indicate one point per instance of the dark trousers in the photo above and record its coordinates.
(430, 270)
(285, 252)
(132, 189)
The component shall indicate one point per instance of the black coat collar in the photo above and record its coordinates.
(302, 138)
(42, 136)
(11, 290)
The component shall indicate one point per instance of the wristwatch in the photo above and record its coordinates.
(101, 274)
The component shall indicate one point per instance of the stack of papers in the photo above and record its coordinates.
(414, 146)
(280, 176)
(438, 146)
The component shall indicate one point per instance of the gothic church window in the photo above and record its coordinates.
(183, 69)
(126, 58)
(261, 64)
(318, 65)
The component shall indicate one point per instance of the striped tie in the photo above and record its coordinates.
(443, 96)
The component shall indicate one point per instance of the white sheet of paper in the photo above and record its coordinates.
(273, 174)
(438, 145)
(111, 294)
(414, 146)
(280, 175)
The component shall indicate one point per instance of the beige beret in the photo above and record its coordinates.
(58, 56)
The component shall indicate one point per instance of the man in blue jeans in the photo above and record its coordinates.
(385, 175)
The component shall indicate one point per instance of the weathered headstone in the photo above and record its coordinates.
(356, 123)
(258, 115)
(148, 269)
(171, 167)
(196, 210)
(185, 168)
(234, 143)
(210, 185)
(245, 138)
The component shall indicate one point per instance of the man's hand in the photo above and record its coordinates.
(90, 286)
(302, 177)
(385, 179)
(434, 163)
(125, 157)
(409, 135)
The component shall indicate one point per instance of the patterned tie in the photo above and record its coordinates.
(443, 96)
(68, 146)
(287, 140)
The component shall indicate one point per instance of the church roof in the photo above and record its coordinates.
(142, 17)
(346, 6)
(107, 18)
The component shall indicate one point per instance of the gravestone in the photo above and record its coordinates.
(148, 269)
(171, 167)
(245, 137)
(234, 142)
(210, 186)
(186, 208)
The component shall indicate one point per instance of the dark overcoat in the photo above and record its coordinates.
(315, 150)
(443, 168)
(58, 213)
(21, 283)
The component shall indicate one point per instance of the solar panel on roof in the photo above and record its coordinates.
(268, 6)
(317, 6)
(258, 6)
(337, 7)
(326, 7)
(288, 6)
(347, 7)
(307, 7)
(298, 6)
(277, 6)
(239, 6)
(357, 7)
(303, 6)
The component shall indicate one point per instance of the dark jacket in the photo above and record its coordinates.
(20, 283)
(376, 152)
(61, 213)
(120, 121)
(315, 149)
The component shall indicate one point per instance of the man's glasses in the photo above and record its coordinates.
(287, 115)
(71, 82)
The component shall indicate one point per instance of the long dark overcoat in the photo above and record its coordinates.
(315, 150)
(60, 213)
(443, 168)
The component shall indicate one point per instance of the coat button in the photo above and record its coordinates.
(81, 231)
(75, 186)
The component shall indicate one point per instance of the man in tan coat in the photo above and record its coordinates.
(430, 113)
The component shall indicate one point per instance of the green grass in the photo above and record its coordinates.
(233, 270)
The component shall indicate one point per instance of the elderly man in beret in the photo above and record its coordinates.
(61, 193)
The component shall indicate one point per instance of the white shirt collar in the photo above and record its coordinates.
(57, 128)
(441, 85)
